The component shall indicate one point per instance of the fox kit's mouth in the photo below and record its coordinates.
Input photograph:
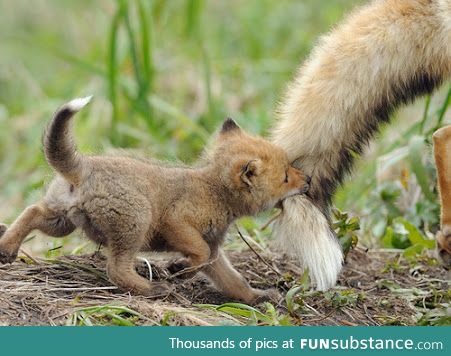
(300, 191)
(306, 185)
(304, 189)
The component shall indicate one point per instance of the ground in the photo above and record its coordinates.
(375, 288)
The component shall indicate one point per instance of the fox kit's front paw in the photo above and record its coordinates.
(7, 256)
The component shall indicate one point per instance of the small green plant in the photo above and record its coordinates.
(250, 315)
(294, 296)
(404, 235)
(392, 265)
(436, 317)
(345, 227)
(104, 315)
(341, 298)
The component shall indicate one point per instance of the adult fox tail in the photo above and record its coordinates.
(383, 55)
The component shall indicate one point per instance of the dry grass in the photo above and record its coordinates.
(375, 288)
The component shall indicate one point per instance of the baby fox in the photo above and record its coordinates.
(129, 206)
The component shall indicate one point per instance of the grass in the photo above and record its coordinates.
(376, 288)
(104, 315)
(164, 75)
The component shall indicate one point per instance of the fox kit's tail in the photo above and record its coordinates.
(59, 147)
(385, 54)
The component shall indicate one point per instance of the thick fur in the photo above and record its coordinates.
(132, 205)
(383, 55)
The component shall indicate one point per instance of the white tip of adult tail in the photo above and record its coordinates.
(78, 103)
(303, 233)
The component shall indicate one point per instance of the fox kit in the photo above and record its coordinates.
(384, 55)
(131, 206)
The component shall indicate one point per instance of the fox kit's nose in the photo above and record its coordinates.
(308, 179)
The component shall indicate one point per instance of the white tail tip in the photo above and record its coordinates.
(77, 104)
(303, 232)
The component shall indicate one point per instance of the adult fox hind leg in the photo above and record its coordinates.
(37, 216)
(442, 153)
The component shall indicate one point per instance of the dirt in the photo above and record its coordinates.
(375, 288)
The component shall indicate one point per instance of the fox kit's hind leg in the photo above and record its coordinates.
(125, 228)
(231, 283)
(37, 216)
(121, 267)
(442, 152)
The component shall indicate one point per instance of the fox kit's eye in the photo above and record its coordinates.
(286, 177)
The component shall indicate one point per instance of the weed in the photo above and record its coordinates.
(104, 315)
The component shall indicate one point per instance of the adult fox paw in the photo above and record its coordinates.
(444, 248)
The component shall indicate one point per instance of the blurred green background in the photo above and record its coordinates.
(164, 74)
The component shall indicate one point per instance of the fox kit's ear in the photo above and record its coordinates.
(246, 171)
(229, 125)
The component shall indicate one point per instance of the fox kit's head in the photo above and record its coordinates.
(257, 172)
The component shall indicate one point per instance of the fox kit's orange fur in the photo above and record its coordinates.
(131, 206)
(385, 54)
(442, 153)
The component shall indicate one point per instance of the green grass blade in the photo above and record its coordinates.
(289, 298)
(140, 101)
(443, 109)
(182, 120)
(132, 48)
(113, 71)
(416, 145)
(425, 114)
(146, 42)
(193, 12)
(59, 53)
(238, 310)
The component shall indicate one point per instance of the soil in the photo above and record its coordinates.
(375, 288)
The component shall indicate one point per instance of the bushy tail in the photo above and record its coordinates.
(304, 233)
(59, 147)
(384, 55)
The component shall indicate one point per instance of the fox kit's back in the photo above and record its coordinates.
(130, 206)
